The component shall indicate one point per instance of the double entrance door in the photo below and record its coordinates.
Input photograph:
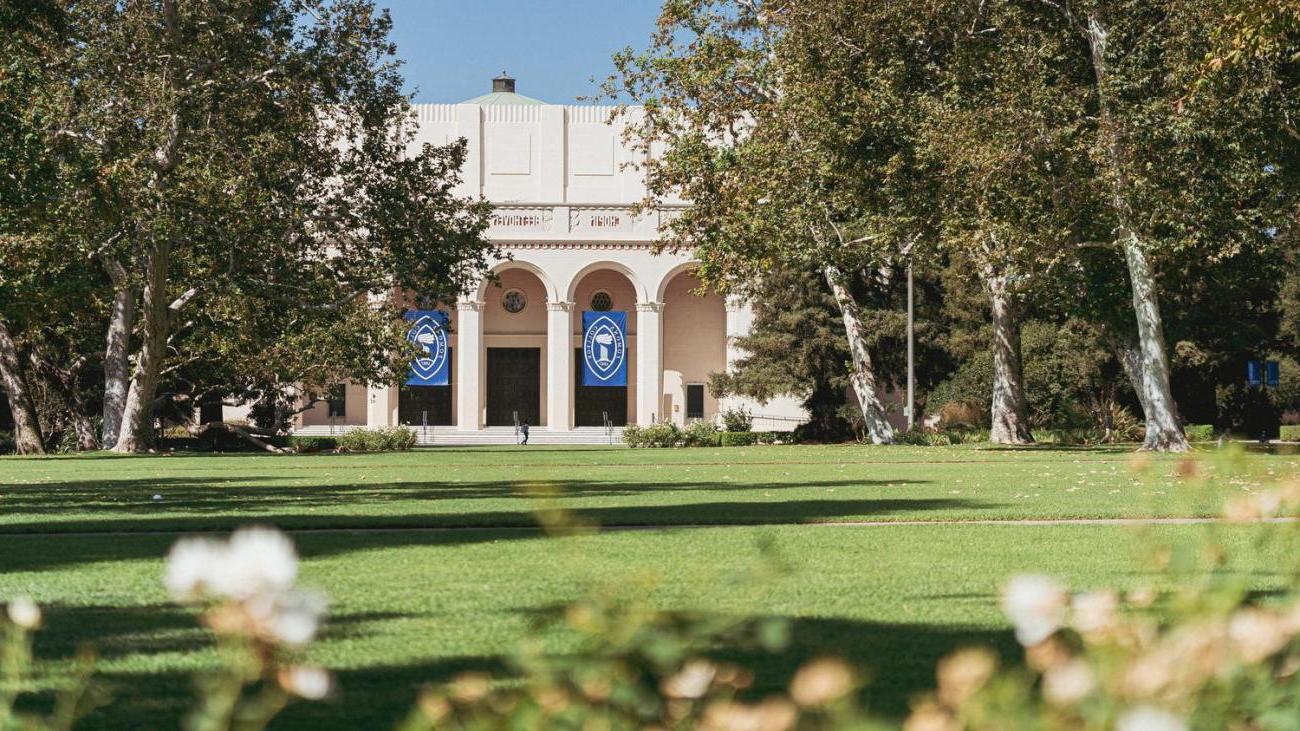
(514, 386)
(514, 383)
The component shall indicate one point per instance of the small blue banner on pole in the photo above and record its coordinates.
(604, 348)
(1272, 374)
(429, 333)
(1254, 373)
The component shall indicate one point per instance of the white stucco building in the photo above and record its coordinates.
(557, 178)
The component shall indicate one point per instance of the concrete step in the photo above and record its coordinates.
(451, 436)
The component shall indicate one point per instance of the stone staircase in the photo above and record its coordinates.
(434, 436)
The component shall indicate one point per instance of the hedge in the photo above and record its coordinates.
(1199, 432)
(391, 439)
(1290, 433)
(312, 444)
(738, 438)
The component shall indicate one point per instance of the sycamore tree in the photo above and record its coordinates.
(747, 116)
(1177, 174)
(254, 163)
(994, 135)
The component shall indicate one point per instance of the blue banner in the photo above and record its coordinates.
(429, 333)
(1272, 374)
(1254, 373)
(604, 348)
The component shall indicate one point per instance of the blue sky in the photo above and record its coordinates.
(453, 48)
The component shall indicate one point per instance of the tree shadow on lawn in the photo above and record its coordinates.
(65, 543)
(899, 660)
(215, 495)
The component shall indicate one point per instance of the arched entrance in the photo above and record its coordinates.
(514, 339)
(604, 290)
(694, 347)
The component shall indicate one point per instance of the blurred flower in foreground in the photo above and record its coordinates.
(247, 584)
(24, 613)
(1149, 718)
(1036, 606)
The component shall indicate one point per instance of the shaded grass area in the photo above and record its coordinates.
(486, 487)
(414, 607)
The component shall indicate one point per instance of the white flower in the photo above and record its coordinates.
(1069, 683)
(1149, 718)
(257, 561)
(692, 681)
(191, 565)
(24, 613)
(290, 618)
(306, 681)
(1036, 606)
(1256, 634)
(1095, 613)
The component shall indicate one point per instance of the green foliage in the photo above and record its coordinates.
(765, 437)
(944, 437)
(7, 445)
(700, 433)
(1289, 433)
(384, 439)
(737, 420)
(1199, 432)
(738, 438)
(663, 434)
(301, 445)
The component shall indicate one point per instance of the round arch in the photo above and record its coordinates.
(572, 290)
(662, 289)
(547, 284)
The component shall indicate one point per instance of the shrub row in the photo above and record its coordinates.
(696, 434)
(1199, 432)
(1290, 433)
(943, 438)
(391, 439)
(7, 443)
(303, 445)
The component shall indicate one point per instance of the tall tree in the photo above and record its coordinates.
(758, 113)
(252, 151)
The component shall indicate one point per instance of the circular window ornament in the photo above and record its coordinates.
(601, 301)
(514, 302)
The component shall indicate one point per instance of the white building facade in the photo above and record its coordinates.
(561, 185)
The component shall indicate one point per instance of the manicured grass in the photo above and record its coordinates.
(608, 486)
(417, 606)
(411, 606)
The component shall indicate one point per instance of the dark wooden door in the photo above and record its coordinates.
(590, 403)
(514, 384)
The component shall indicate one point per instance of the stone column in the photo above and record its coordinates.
(739, 319)
(381, 406)
(559, 366)
(649, 362)
(469, 365)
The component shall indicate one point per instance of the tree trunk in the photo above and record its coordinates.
(1010, 420)
(116, 354)
(862, 377)
(1164, 432)
(27, 426)
(1164, 429)
(1129, 355)
(85, 428)
(136, 430)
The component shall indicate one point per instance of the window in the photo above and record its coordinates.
(601, 301)
(338, 401)
(514, 302)
(695, 401)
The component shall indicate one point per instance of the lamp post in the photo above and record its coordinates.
(911, 355)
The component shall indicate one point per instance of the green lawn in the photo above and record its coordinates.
(409, 606)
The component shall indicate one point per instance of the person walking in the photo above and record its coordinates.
(523, 431)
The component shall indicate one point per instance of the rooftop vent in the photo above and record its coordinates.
(503, 84)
